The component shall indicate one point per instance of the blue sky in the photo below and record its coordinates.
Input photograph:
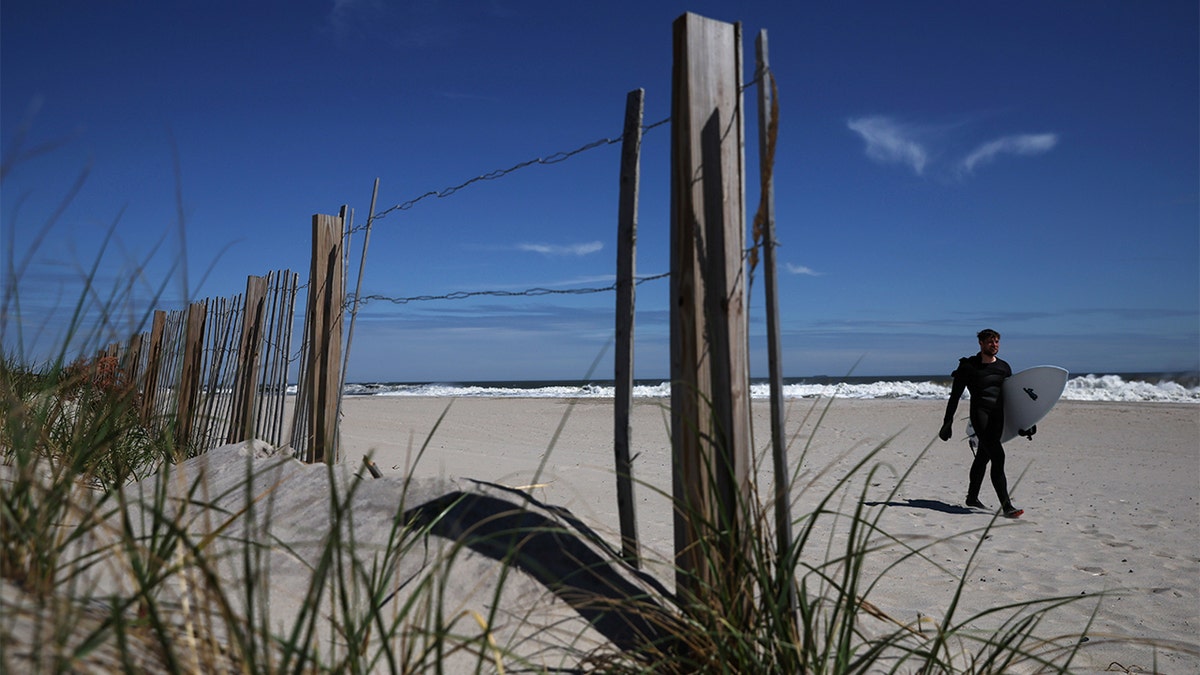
(942, 167)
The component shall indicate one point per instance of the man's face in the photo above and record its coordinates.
(990, 345)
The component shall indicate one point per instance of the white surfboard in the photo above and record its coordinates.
(1029, 395)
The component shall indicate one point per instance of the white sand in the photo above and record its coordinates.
(1110, 492)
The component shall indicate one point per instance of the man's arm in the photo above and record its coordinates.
(956, 392)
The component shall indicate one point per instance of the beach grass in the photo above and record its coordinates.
(193, 576)
(118, 554)
(835, 628)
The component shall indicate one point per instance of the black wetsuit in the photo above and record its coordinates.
(984, 381)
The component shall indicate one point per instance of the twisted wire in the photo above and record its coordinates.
(553, 158)
(530, 292)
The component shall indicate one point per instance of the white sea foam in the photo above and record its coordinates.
(1113, 388)
(874, 390)
(1083, 388)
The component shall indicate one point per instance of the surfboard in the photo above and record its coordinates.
(1029, 395)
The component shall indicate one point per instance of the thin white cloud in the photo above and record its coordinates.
(1019, 144)
(561, 250)
(890, 142)
(802, 270)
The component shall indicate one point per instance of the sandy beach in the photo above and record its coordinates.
(1110, 492)
(1111, 528)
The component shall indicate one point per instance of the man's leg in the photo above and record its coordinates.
(999, 480)
(978, 469)
(995, 453)
(979, 420)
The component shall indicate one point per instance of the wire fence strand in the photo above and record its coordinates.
(553, 158)
(530, 292)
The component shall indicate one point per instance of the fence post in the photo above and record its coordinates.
(326, 300)
(631, 149)
(764, 223)
(189, 380)
(243, 422)
(131, 362)
(153, 365)
(710, 407)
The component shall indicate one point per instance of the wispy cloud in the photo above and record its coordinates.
(581, 249)
(891, 142)
(1019, 144)
(802, 270)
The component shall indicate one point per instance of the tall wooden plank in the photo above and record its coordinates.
(154, 359)
(327, 297)
(768, 129)
(243, 419)
(710, 414)
(189, 379)
(131, 362)
(627, 208)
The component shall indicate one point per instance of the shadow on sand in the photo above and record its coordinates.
(558, 550)
(929, 504)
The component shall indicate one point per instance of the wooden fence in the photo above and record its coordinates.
(218, 370)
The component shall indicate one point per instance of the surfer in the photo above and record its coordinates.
(983, 375)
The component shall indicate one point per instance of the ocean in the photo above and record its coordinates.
(1125, 387)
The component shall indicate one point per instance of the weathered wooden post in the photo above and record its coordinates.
(710, 406)
(154, 358)
(764, 222)
(631, 148)
(131, 362)
(243, 419)
(189, 379)
(326, 300)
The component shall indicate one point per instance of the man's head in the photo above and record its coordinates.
(989, 342)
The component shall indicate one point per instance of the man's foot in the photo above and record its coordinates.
(1011, 511)
(975, 503)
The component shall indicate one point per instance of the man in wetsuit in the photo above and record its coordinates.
(982, 375)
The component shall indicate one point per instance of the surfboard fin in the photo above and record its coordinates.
(1028, 433)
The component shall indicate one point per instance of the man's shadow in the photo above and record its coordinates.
(930, 504)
